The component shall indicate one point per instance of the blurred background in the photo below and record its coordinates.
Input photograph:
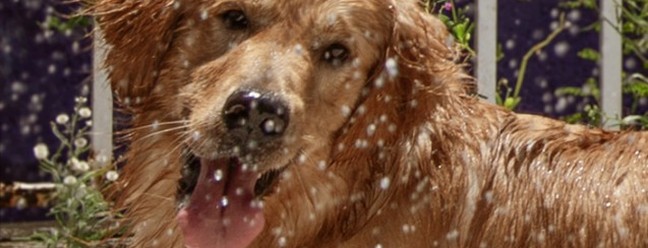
(46, 65)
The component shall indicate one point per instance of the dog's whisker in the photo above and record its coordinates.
(167, 130)
(156, 125)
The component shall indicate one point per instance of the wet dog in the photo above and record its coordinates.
(345, 123)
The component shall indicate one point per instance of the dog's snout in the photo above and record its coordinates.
(250, 115)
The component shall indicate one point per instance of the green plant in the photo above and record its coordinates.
(66, 24)
(635, 85)
(458, 23)
(512, 97)
(83, 216)
(634, 27)
(634, 33)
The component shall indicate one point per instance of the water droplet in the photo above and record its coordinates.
(413, 103)
(361, 143)
(406, 228)
(224, 201)
(561, 49)
(196, 135)
(384, 182)
(392, 67)
(452, 235)
(321, 165)
(489, 196)
(391, 128)
(346, 110)
(218, 175)
(281, 241)
(299, 49)
(340, 147)
(269, 126)
(383, 118)
(155, 125)
(252, 144)
(362, 109)
(301, 159)
(379, 82)
(371, 129)
(204, 15)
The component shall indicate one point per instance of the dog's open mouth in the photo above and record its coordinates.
(225, 207)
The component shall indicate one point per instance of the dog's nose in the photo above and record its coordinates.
(250, 115)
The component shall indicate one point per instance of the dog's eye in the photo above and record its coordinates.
(336, 54)
(235, 20)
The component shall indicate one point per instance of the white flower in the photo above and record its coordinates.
(80, 142)
(80, 166)
(81, 99)
(62, 119)
(112, 175)
(41, 151)
(69, 180)
(85, 112)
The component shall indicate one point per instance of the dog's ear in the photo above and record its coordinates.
(424, 49)
(418, 72)
(138, 34)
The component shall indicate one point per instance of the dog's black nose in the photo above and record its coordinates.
(250, 115)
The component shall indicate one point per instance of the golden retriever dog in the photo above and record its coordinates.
(345, 123)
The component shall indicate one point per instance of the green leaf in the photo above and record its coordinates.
(459, 31)
(589, 54)
(512, 102)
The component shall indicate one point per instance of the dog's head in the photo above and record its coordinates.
(265, 85)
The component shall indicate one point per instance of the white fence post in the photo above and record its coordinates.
(487, 48)
(101, 103)
(611, 61)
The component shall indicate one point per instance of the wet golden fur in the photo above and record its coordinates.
(418, 161)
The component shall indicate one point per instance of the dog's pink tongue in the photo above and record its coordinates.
(222, 211)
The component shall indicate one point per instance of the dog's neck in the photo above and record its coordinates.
(377, 160)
